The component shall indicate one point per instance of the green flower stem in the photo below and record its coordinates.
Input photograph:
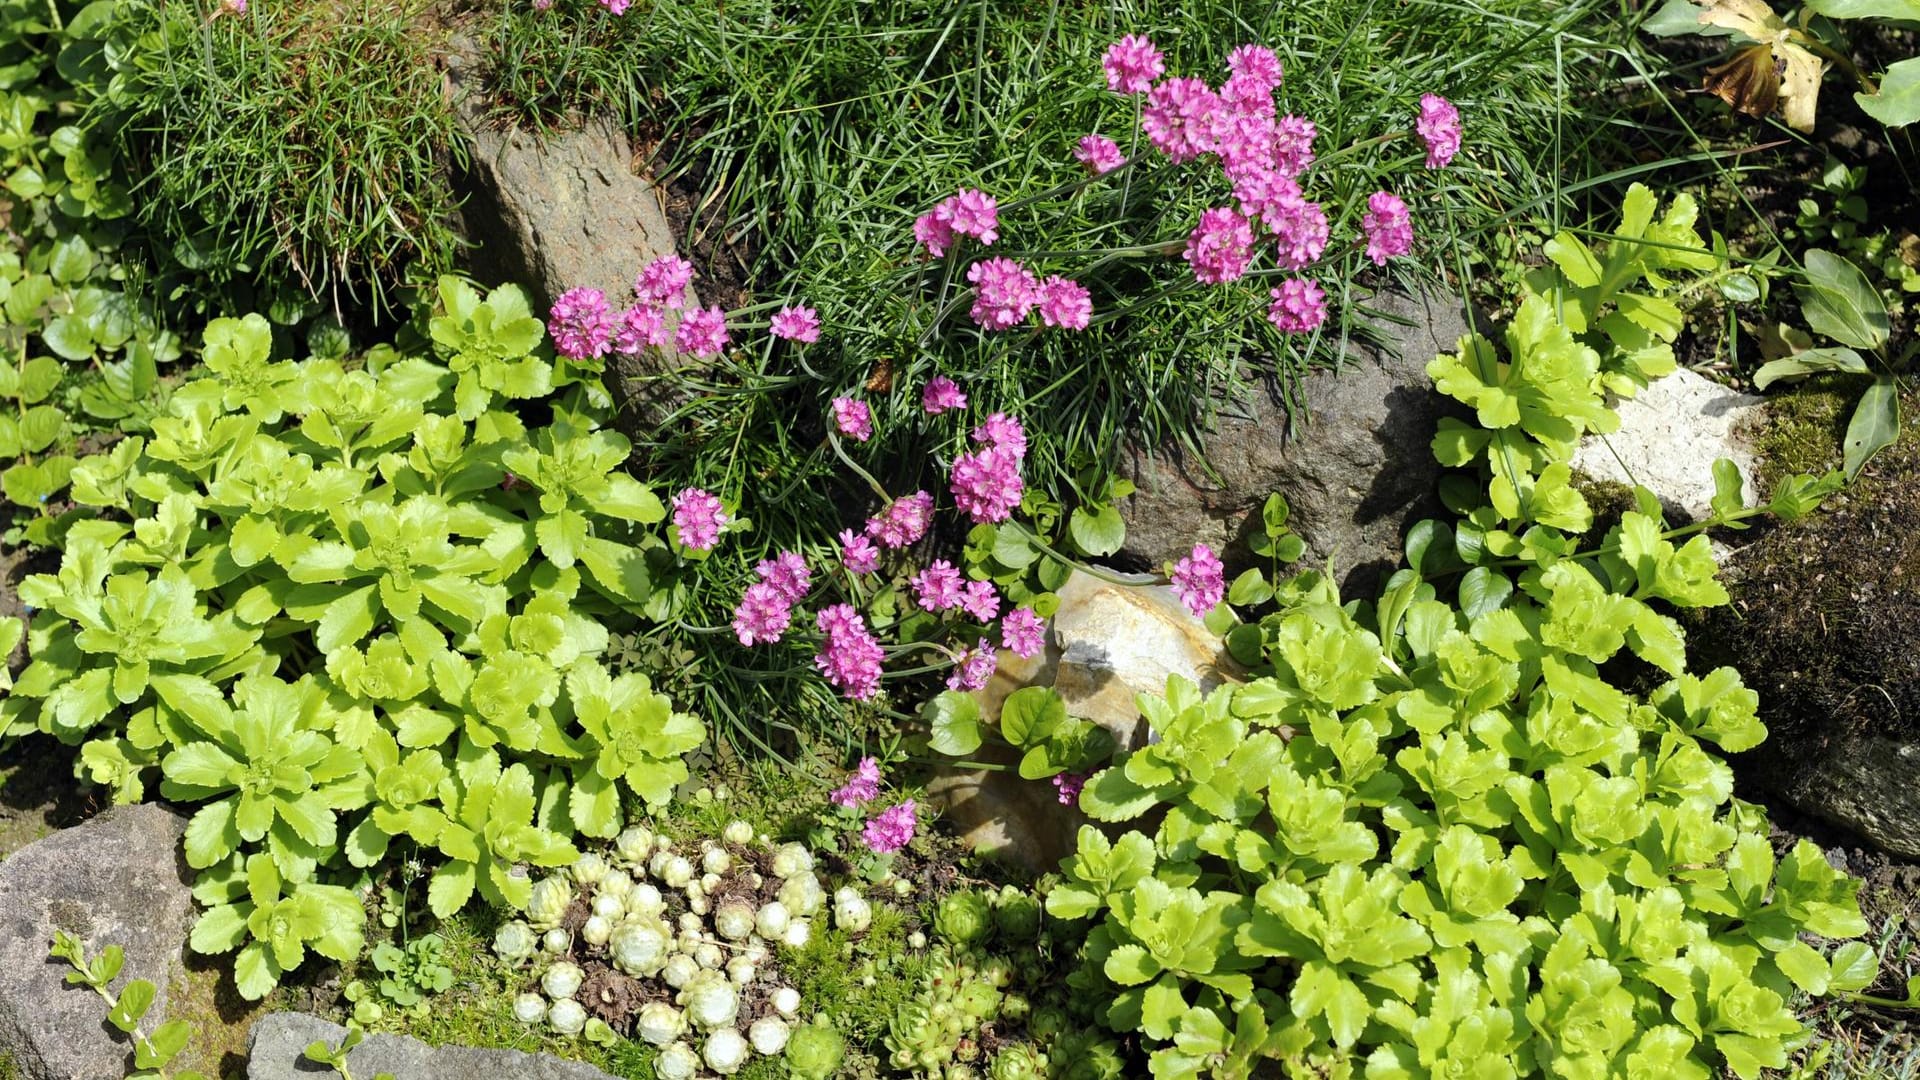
(833, 440)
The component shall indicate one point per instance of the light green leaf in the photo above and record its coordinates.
(954, 720)
(1811, 361)
(1854, 967)
(1897, 103)
(1097, 530)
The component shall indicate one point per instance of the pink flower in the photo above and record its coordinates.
(850, 657)
(640, 326)
(1257, 68)
(788, 574)
(852, 419)
(616, 7)
(1065, 303)
(663, 282)
(981, 600)
(581, 324)
(1299, 306)
(702, 332)
(1220, 247)
(1069, 785)
(796, 323)
(1002, 432)
(1388, 227)
(763, 615)
(987, 485)
(862, 786)
(1004, 292)
(1300, 231)
(974, 669)
(1179, 118)
(1199, 580)
(937, 234)
(1265, 195)
(1439, 126)
(903, 522)
(1099, 154)
(941, 395)
(972, 213)
(1293, 145)
(857, 553)
(890, 831)
(1132, 64)
(938, 587)
(1244, 141)
(699, 517)
(538, 5)
(1022, 632)
(239, 7)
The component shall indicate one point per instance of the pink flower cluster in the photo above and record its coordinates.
(583, 326)
(1439, 127)
(861, 788)
(1221, 246)
(1199, 580)
(850, 656)
(942, 395)
(796, 323)
(1099, 154)
(1299, 306)
(974, 669)
(904, 521)
(857, 553)
(891, 830)
(968, 212)
(852, 418)
(1005, 292)
(699, 517)
(1388, 226)
(1069, 785)
(1022, 632)
(986, 483)
(1132, 64)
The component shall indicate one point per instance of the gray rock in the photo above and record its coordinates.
(115, 880)
(1106, 644)
(1357, 468)
(277, 1051)
(556, 211)
(1865, 783)
(1670, 434)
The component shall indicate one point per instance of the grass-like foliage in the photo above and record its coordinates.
(299, 150)
(817, 134)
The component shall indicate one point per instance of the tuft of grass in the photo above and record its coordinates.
(299, 149)
(809, 136)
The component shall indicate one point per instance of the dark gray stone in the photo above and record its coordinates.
(553, 211)
(278, 1047)
(115, 880)
(1357, 470)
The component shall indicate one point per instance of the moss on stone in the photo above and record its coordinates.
(1825, 619)
(221, 1020)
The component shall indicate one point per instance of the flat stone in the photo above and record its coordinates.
(1106, 644)
(1866, 783)
(280, 1040)
(118, 879)
(1670, 435)
(1356, 465)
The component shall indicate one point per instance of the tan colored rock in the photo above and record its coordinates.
(1105, 645)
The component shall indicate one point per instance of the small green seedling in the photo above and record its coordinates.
(151, 1053)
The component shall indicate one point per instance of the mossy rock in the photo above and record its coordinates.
(1825, 625)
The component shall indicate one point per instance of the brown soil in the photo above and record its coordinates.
(38, 794)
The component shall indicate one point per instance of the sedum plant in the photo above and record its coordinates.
(334, 604)
(1438, 834)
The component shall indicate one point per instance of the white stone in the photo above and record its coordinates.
(1669, 437)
